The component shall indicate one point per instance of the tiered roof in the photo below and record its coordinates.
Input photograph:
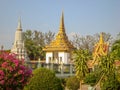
(61, 42)
(100, 49)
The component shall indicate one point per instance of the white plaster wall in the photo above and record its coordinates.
(68, 58)
(48, 54)
(61, 54)
(65, 57)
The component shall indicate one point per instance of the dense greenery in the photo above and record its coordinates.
(92, 78)
(107, 73)
(35, 41)
(116, 48)
(111, 76)
(107, 76)
(110, 83)
(72, 83)
(44, 79)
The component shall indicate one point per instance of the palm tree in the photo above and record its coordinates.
(80, 58)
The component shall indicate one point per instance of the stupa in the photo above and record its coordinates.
(18, 47)
(59, 50)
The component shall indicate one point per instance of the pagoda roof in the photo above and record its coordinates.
(100, 49)
(61, 42)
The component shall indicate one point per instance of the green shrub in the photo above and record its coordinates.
(44, 79)
(72, 83)
(91, 79)
(111, 83)
(63, 80)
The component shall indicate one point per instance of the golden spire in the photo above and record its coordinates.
(19, 27)
(101, 41)
(61, 42)
(62, 28)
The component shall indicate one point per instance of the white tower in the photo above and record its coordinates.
(18, 46)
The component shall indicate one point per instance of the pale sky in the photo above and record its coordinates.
(85, 17)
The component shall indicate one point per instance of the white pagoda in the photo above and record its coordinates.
(18, 46)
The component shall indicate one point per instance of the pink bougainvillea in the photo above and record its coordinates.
(13, 73)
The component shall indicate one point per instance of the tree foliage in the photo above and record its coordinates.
(92, 78)
(111, 83)
(115, 49)
(44, 79)
(110, 79)
(108, 73)
(80, 58)
(35, 41)
(72, 83)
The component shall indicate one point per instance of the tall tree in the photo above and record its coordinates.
(29, 44)
(35, 41)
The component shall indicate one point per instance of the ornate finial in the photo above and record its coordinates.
(101, 38)
(19, 24)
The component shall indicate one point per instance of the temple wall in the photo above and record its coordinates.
(65, 57)
(61, 54)
(48, 56)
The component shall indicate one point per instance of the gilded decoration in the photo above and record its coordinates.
(61, 42)
(100, 49)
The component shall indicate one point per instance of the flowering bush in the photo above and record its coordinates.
(13, 73)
